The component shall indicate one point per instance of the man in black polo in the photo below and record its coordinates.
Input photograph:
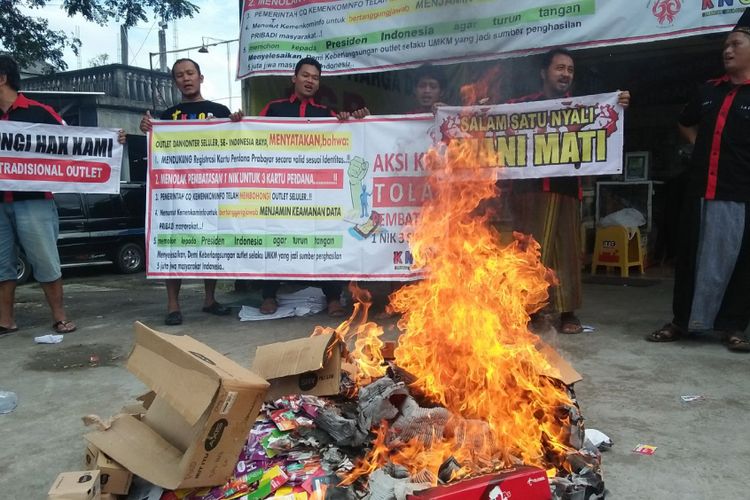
(712, 272)
(188, 78)
(302, 104)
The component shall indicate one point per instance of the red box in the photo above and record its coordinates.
(518, 483)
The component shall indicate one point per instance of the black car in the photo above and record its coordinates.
(100, 228)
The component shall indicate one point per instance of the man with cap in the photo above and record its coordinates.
(712, 270)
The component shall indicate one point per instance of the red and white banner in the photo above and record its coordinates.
(60, 159)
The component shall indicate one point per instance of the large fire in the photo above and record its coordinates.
(465, 339)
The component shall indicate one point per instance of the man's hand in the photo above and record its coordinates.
(236, 116)
(146, 122)
(121, 137)
(623, 98)
(360, 113)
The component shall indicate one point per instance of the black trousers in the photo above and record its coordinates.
(331, 289)
(734, 314)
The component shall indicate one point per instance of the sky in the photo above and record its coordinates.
(218, 20)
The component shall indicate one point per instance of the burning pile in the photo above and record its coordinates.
(468, 392)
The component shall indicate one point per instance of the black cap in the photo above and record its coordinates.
(743, 25)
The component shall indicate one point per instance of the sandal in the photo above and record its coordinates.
(5, 329)
(173, 318)
(736, 342)
(269, 306)
(667, 333)
(216, 309)
(570, 324)
(335, 309)
(64, 326)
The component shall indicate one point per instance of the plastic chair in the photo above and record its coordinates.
(613, 248)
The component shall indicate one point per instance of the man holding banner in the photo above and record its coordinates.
(301, 104)
(29, 218)
(549, 208)
(187, 76)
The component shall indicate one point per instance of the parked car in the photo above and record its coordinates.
(100, 228)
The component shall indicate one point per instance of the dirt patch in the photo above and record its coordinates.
(75, 357)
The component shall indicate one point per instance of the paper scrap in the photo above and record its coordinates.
(305, 302)
(645, 449)
(588, 329)
(689, 398)
(598, 439)
(49, 339)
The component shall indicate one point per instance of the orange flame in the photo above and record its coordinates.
(366, 355)
(465, 338)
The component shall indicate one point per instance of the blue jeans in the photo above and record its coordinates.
(33, 225)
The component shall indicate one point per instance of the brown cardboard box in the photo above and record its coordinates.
(198, 421)
(114, 477)
(559, 367)
(301, 366)
(79, 485)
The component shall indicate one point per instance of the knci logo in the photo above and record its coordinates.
(405, 258)
(666, 10)
(714, 4)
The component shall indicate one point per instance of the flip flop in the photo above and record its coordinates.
(736, 342)
(217, 309)
(64, 326)
(173, 318)
(667, 333)
(570, 325)
(5, 329)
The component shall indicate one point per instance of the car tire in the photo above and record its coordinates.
(129, 258)
(24, 270)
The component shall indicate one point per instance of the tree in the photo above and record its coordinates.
(99, 60)
(30, 40)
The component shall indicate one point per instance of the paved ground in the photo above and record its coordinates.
(631, 389)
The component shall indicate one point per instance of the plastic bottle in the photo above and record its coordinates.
(8, 402)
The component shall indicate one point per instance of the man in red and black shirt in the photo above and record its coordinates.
(28, 219)
(302, 104)
(549, 208)
(712, 272)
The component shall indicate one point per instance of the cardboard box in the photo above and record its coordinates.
(559, 367)
(304, 366)
(518, 483)
(78, 485)
(198, 421)
(113, 477)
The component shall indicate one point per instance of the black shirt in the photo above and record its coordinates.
(570, 186)
(198, 110)
(27, 110)
(295, 107)
(720, 167)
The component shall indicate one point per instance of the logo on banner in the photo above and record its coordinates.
(713, 7)
(403, 258)
(666, 10)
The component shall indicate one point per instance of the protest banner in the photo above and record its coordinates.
(356, 36)
(60, 159)
(565, 137)
(285, 198)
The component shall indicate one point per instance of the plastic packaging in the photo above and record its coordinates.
(8, 402)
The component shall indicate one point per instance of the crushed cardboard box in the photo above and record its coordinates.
(113, 477)
(311, 365)
(559, 367)
(78, 485)
(197, 423)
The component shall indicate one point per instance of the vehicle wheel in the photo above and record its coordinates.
(24, 270)
(129, 258)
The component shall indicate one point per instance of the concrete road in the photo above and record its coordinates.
(631, 388)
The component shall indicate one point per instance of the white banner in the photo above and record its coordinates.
(285, 198)
(565, 137)
(60, 159)
(357, 36)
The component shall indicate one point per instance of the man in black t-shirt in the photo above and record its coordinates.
(188, 78)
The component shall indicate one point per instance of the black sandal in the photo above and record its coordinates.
(736, 342)
(667, 333)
